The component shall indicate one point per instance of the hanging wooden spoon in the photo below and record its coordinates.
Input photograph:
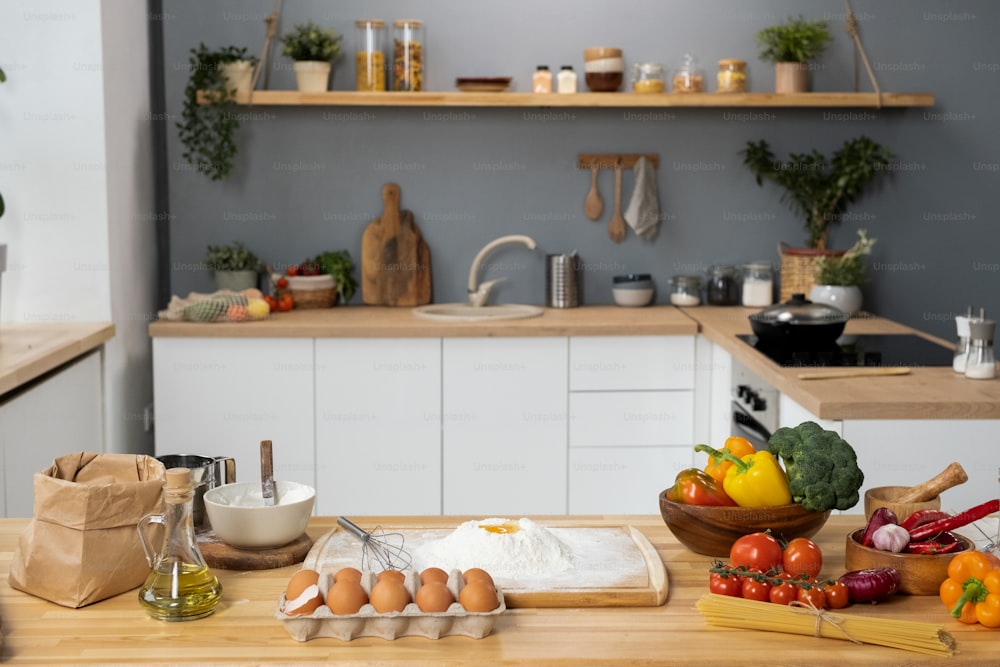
(593, 205)
(616, 228)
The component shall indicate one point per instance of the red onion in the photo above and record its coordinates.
(874, 585)
(880, 517)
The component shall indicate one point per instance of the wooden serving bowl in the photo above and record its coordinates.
(919, 574)
(711, 530)
(885, 496)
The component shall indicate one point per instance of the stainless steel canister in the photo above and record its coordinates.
(562, 281)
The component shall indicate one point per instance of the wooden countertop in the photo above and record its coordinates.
(388, 322)
(926, 393)
(243, 629)
(28, 351)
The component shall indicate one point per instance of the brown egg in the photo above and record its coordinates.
(395, 575)
(346, 597)
(347, 574)
(302, 596)
(434, 597)
(434, 574)
(474, 573)
(478, 596)
(389, 595)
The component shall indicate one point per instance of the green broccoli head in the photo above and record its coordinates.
(822, 467)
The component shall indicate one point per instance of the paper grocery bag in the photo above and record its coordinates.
(82, 545)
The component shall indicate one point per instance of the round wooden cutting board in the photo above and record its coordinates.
(220, 555)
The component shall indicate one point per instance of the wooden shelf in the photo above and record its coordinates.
(583, 100)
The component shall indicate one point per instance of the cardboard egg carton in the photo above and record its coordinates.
(411, 622)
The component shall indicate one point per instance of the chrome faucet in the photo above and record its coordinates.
(479, 293)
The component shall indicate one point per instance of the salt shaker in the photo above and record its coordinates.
(981, 362)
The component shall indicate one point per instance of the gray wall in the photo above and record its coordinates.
(308, 179)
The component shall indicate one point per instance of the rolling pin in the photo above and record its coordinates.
(951, 476)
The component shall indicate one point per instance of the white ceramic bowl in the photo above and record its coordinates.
(632, 297)
(240, 519)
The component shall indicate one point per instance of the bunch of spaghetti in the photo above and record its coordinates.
(733, 612)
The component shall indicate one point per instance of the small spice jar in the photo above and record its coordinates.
(722, 288)
(648, 78)
(566, 80)
(758, 284)
(688, 79)
(541, 80)
(370, 55)
(408, 55)
(685, 290)
(732, 76)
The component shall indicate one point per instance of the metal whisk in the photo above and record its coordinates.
(379, 550)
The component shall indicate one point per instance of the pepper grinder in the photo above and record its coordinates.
(981, 362)
(962, 345)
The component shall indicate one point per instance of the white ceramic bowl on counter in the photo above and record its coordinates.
(633, 290)
(240, 518)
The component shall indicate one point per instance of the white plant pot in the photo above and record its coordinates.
(845, 297)
(312, 76)
(238, 75)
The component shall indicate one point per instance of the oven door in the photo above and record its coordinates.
(744, 425)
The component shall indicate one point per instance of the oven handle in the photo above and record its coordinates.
(751, 429)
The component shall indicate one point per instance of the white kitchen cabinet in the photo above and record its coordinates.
(222, 396)
(504, 415)
(58, 414)
(378, 426)
(632, 414)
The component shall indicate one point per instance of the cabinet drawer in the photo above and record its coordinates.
(631, 362)
(622, 480)
(599, 419)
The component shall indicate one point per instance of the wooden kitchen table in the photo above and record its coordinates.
(243, 629)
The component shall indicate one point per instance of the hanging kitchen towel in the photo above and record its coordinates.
(643, 212)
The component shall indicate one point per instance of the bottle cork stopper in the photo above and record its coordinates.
(178, 478)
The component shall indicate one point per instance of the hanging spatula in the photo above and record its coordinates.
(267, 474)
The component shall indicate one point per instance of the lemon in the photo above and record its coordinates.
(258, 309)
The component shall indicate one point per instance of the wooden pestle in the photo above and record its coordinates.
(951, 476)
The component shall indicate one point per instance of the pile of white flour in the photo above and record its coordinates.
(525, 550)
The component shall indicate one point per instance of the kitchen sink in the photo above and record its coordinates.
(463, 312)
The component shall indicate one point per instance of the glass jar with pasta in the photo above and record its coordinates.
(408, 55)
(370, 55)
(732, 76)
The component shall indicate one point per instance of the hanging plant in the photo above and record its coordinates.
(208, 130)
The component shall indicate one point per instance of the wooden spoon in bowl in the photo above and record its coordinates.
(593, 205)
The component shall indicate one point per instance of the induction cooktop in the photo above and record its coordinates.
(860, 350)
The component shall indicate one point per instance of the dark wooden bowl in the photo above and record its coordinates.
(711, 530)
(919, 574)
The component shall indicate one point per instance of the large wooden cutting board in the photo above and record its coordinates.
(622, 569)
(395, 259)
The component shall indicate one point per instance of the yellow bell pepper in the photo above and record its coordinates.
(718, 466)
(754, 480)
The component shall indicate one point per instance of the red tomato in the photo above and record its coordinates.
(282, 283)
(758, 550)
(309, 269)
(756, 590)
(813, 595)
(784, 593)
(729, 585)
(292, 270)
(272, 303)
(802, 556)
(837, 595)
(286, 303)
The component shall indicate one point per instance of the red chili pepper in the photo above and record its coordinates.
(920, 517)
(961, 519)
(693, 486)
(945, 543)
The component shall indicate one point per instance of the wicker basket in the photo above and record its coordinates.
(798, 269)
(313, 291)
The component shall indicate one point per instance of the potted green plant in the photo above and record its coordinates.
(819, 189)
(792, 46)
(235, 267)
(208, 125)
(838, 278)
(313, 49)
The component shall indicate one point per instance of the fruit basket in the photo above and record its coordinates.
(313, 291)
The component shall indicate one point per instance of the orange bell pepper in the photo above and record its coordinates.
(735, 445)
(972, 590)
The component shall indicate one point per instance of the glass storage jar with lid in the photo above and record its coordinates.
(758, 284)
(722, 288)
(408, 55)
(732, 76)
(648, 78)
(685, 290)
(370, 55)
(688, 78)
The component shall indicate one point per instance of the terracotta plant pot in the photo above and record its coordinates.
(791, 77)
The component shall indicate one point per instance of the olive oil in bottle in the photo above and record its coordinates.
(180, 587)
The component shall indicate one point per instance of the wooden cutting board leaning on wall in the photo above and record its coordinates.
(395, 259)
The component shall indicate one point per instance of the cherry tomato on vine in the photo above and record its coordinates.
(758, 550)
(784, 593)
(756, 590)
(802, 556)
(730, 585)
(837, 595)
(813, 595)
